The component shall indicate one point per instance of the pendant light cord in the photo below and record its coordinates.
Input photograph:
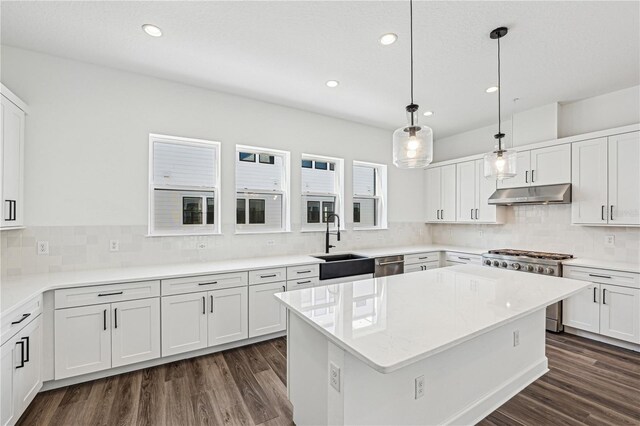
(499, 98)
(411, 43)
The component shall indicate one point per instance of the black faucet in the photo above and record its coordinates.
(327, 246)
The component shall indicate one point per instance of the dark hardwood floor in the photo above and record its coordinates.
(589, 384)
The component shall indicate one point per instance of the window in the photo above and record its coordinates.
(369, 195)
(184, 178)
(262, 190)
(322, 190)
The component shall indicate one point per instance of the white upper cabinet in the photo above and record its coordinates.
(543, 166)
(12, 120)
(606, 181)
(472, 194)
(441, 194)
(624, 179)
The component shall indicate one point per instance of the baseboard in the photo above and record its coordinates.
(602, 339)
(481, 408)
(54, 384)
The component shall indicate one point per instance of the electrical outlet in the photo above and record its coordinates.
(271, 242)
(334, 376)
(481, 233)
(43, 247)
(516, 338)
(609, 241)
(201, 245)
(419, 387)
(114, 245)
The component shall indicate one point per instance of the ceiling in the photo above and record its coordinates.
(284, 51)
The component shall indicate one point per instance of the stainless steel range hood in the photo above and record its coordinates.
(548, 194)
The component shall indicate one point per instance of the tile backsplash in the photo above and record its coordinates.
(87, 247)
(544, 228)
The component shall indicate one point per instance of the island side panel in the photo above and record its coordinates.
(463, 384)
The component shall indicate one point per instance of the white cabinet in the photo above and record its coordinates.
(184, 323)
(542, 166)
(12, 119)
(610, 306)
(441, 194)
(21, 371)
(82, 340)
(266, 314)
(228, 315)
(424, 266)
(135, 336)
(606, 181)
(472, 194)
(199, 320)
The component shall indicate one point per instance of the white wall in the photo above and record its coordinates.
(87, 140)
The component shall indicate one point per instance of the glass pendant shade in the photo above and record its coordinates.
(412, 144)
(500, 164)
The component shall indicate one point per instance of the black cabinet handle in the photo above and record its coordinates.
(532, 176)
(110, 294)
(599, 276)
(437, 214)
(268, 276)
(595, 291)
(211, 300)
(204, 308)
(604, 296)
(602, 213)
(284, 288)
(115, 317)
(476, 214)
(611, 214)
(104, 319)
(26, 339)
(303, 272)
(526, 176)
(209, 283)
(24, 317)
(464, 258)
(21, 343)
(12, 210)
(472, 214)
(442, 214)
(303, 282)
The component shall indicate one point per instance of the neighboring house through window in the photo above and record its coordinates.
(322, 187)
(369, 195)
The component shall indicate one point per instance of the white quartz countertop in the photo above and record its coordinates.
(604, 264)
(390, 251)
(394, 321)
(16, 290)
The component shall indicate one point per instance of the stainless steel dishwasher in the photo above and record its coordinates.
(390, 265)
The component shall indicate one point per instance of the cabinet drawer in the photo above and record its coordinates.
(303, 271)
(464, 258)
(262, 276)
(410, 259)
(302, 283)
(83, 296)
(15, 320)
(605, 276)
(203, 283)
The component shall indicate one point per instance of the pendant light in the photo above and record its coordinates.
(501, 163)
(412, 144)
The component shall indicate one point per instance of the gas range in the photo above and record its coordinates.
(526, 261)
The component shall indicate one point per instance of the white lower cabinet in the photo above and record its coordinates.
(20, 371)
(607, 309)
(199, 320)
(99, 337)
(135, 336)
(425, 266)
(228, 316)
(266, 314)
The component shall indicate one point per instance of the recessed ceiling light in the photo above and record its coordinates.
(428, 113)
(152, 30)
(492, 89)
(387, 39)
(332, 83)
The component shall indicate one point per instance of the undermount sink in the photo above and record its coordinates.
(345, 265)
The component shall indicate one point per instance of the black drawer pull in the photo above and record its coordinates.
(209, 283)
(303, 272)
(26, 339)
(110, 294)
(423, 258)
(268, 276)
(464, 258)
(21, 343)
(600, 276)
(24, 317)
(303, 282)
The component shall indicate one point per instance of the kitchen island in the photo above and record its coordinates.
(444, 346)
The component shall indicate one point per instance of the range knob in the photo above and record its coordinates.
(530, 268)
(496, 263)
(550, 271)
(503, 264)
(487, 262)
(515, 266)
(539, 269)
